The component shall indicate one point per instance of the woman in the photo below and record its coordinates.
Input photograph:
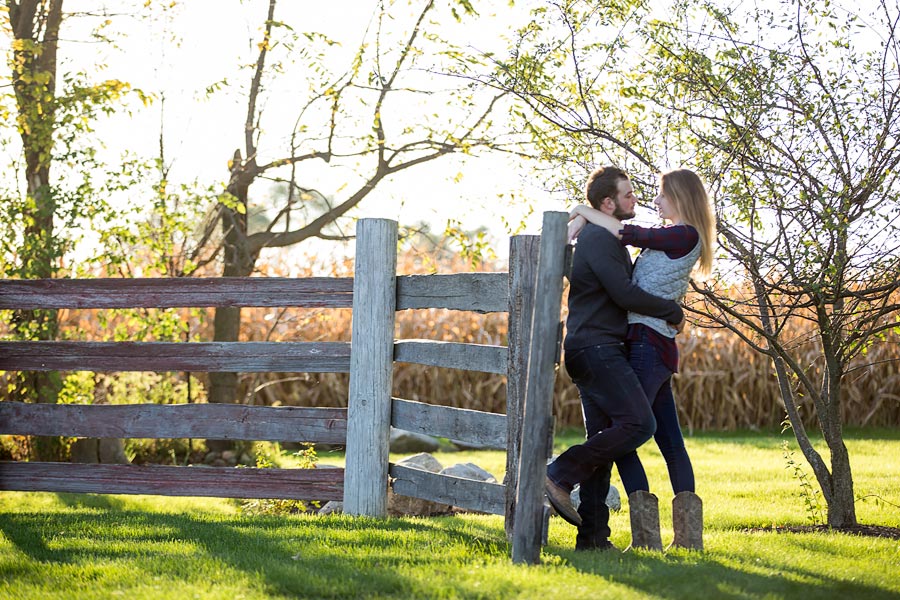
(663, 268)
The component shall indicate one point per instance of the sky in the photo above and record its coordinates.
(179, 54)
(200, 42)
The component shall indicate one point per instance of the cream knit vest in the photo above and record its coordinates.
(657, 274)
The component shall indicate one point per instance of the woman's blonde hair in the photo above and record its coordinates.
(686, 192)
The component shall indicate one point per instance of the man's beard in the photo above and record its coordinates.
(621, 214)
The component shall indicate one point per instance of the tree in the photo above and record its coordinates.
(370, 121)
(792, 118)
(35, 30)
(567, 68)
(52, 113)
(801, 138)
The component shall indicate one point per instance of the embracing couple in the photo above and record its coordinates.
(620, 352)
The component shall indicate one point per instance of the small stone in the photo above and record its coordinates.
(403, 441)
(469, 471)
(613, 499)
(422, 461)
(332, 507)
(398, 505)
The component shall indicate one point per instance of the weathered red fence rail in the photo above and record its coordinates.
(244, 357)
(531, 287)
(203, 421)
(299, 484)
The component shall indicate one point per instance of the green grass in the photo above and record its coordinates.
(88, 546)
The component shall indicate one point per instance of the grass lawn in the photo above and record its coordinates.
(89, 546)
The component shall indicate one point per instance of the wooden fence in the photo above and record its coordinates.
(530, 292)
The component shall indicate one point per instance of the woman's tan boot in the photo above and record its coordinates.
(687, 521)
(643, 508)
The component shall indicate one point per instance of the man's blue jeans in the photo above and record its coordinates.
(617, 419)
(656, 380)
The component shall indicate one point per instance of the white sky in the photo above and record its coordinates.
(201, 132)
(202, 42)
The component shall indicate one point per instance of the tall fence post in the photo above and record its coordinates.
(527, 529)
(371, 368)
(523, 262)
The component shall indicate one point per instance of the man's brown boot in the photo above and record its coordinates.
(561, 501)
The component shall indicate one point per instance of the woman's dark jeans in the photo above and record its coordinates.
(656, 380)
(617, 419)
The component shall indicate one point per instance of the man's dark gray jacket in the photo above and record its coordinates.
(601, 292)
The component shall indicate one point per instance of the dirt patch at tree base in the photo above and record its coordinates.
(863, 530)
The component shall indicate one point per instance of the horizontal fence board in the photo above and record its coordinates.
(463, 493)
(472, 427)
(176, 292)
(207, 421)
(453, 355)
(240, 357)
(296, 484)
(477, 292)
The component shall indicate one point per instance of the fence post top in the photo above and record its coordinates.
(555, 217)
(375, 220)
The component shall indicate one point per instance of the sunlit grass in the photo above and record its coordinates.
(89, 546)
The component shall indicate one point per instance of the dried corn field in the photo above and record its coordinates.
(723, 384)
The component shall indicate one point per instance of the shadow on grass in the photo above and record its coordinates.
(330, 557)
(99, 501)
(685, 574)
(344, 557)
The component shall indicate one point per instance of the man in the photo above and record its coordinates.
(617, 413)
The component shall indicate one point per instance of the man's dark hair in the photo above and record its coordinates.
(603, 183)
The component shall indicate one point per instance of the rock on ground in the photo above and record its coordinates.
(402, 441)
(423, 461)
(469, 471)
(613, 499)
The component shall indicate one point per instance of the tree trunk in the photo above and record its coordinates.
(239, 261)
(35, 27)
(842, 504)
(834, 484)
(223, 386)
(841, 501)
(815, 460)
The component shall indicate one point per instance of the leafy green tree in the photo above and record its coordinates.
(791, 114)
(51, 112)
(799, 135)
(34, 27)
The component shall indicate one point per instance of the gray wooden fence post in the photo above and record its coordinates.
(371, 368)
(527, 531)
(523, 262)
